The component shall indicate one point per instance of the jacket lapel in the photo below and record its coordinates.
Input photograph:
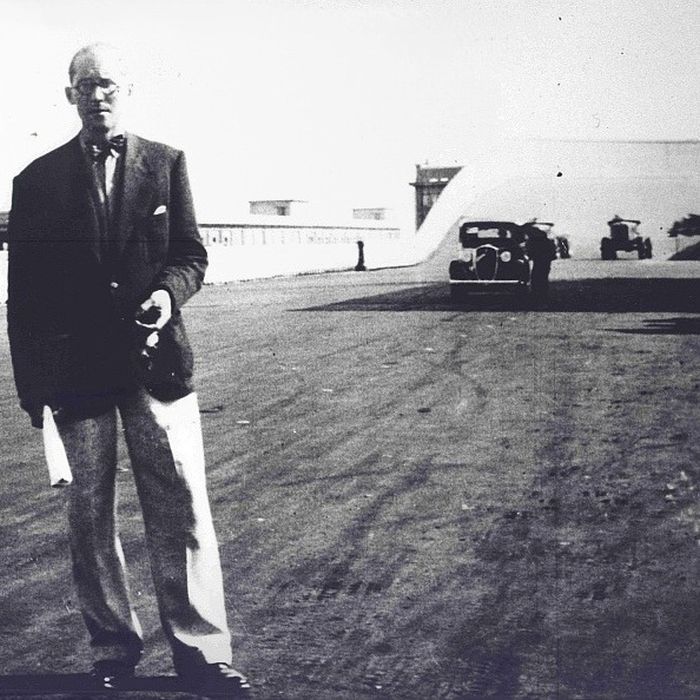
(136, 190)
(73, 187)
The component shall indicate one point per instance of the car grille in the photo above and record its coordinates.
(486, 262)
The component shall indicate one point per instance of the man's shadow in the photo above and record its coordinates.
(70, 685)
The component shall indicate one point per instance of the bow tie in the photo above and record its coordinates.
(101, 151)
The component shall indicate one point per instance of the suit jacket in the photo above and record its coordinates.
(71, 314)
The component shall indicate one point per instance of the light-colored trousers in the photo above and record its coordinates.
(164, 442)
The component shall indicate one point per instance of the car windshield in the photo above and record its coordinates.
(487, 232)
(468, 235)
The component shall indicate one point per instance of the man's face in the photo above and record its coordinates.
(98, 90)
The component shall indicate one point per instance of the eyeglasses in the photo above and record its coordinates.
(87, 86)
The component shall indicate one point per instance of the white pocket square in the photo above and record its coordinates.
(160, 210)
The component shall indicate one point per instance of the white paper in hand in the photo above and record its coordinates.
(56, 460)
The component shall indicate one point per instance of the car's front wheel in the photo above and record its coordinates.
(607, 249)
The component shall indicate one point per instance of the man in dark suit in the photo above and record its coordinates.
(104, 251)
(542, 251)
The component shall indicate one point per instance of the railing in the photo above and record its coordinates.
(256, 234)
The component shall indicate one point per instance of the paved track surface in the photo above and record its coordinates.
(415, 500)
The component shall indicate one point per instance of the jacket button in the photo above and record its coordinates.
(114, 285)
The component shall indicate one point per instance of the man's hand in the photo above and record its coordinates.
(156, 311)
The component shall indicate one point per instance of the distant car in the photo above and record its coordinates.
(624, 236)
(491, 258)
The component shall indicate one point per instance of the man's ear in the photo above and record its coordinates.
(70, 95)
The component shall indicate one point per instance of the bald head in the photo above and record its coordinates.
(98, 87)
(101, 53)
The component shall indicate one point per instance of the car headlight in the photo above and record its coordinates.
(505, 255)
(467, 255)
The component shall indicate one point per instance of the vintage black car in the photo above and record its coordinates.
(491, 258)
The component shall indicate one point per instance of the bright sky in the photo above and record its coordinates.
(336, 101)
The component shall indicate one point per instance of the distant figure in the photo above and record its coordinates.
(360, 267)
(104, 251)
(541, 250)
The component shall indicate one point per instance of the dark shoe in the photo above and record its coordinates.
(112, 675)
(216, 681)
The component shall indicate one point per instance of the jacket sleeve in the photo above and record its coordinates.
(186, 263)
(24, 234)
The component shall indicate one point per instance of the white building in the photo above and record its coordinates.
(278, 207)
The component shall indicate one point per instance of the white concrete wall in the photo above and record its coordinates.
(241, 262)
(249, 249)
